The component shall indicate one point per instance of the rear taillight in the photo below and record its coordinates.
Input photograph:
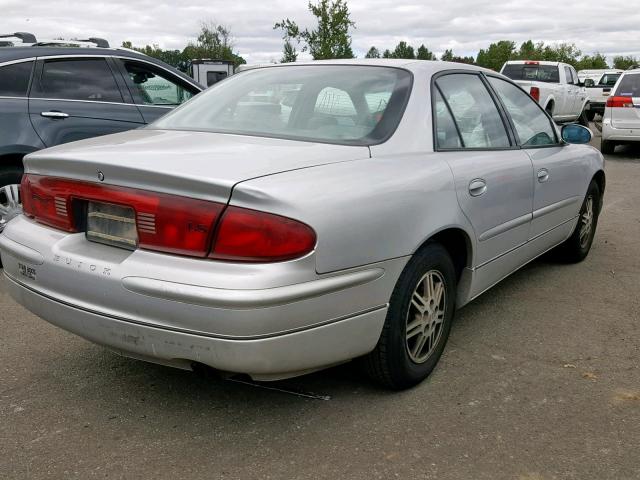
(620, 102)
(168, 223)
(535, 93)
(532, 63)
(248, 235)
(171, 223)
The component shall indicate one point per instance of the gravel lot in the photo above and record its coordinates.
(540, 380)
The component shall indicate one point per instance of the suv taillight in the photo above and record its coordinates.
(620, 102)
(535, 93)
(172, 223)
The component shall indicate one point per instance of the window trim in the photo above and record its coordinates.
(506, 122)
(37, 79)
(558, 138)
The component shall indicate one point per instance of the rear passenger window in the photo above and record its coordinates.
(14, 79)
(79, 79)
(474, 111)
(446, 131)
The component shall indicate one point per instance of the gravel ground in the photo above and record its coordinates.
(540, 380)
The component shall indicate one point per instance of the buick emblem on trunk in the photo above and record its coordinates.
(100, 176)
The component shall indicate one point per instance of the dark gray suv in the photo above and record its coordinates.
(54, 95)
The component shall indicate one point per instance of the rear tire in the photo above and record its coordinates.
(418, 321)
(607, 147)
(577, 246)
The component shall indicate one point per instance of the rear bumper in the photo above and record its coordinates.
(268, 320)
(268, 358)
(622, 135)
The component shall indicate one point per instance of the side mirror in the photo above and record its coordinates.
(574, 133)
(588, 82)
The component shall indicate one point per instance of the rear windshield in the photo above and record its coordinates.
(537, 73)
(609, 79)
(351, 105)
(629, 86)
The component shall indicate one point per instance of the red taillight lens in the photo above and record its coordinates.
(532, 63)
(620, 102)
(251, 236)
(167, 223)
(535, 93)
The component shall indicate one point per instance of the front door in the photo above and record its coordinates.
(75, 98)
(558, 186)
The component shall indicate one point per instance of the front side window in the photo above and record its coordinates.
(154, 87)
(532, 125)
(79, 79)
(352, 105)
(474, 111)
(14, 79)
(567, 74)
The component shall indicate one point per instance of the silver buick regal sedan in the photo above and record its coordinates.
(299, 216)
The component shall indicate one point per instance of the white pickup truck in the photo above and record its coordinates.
(598, 90)
(553, 85)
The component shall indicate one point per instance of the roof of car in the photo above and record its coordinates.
(426, 66)
(8, 54)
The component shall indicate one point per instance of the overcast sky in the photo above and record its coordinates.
(608, 26)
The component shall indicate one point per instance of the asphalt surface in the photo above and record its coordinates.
(540, 380)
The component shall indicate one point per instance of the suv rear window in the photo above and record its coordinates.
(14, 79)
(534, 73)
(629, 86)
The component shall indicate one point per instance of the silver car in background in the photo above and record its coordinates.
(621, 119)
(299, 216)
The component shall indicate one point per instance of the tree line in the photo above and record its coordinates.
(330, 38)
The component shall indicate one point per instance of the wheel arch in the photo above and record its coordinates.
(601, 180)
(550, 104)
(458, 244)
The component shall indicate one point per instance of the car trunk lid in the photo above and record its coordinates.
(201, 165)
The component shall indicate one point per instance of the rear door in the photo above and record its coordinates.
(73, 98)
(627, 117)
(155, 90)
(492, 175)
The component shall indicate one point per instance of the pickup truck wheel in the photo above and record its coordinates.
(418, 321)
(10, 175)
(607, 147)
(583, 119)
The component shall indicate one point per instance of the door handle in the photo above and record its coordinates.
(54, 114)
(543, 175)
(477, 187)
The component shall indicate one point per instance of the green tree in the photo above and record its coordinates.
(625, 62)
(562, 52)
(330, 38)
(595, 61)
(530, 51)
(403, 50)
(447, 56)
(497, 53)
(386, 54)
(373, 53)
(289, 53)
(425, 54)
(214, 41)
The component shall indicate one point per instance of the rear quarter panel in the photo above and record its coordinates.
(363, 211)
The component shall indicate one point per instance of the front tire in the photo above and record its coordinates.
(577, 246)
(418, 321)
